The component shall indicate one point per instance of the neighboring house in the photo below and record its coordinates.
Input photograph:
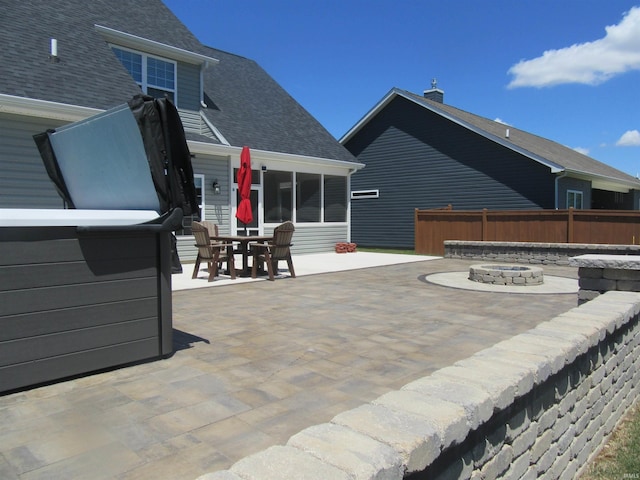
(106, 52)
(421, 153)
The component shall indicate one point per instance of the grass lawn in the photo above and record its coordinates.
(620, 457)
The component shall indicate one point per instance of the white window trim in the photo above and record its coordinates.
(576, 193)
(294, 213)
(363, 194)
(203, 189)
(144, 86)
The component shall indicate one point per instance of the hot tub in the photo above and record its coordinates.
(81, 291)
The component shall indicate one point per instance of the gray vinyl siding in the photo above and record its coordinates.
(217, 207)
(192, 122)
(24, 182)
(315, 238)
(418, 159)
(188, 86)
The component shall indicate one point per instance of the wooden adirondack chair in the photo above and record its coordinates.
(211, 252)
(277, 249)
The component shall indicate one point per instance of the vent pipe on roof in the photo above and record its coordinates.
(506, 134)
(53, 56)
(434, 93)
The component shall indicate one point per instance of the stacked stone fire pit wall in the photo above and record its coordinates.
(539, 404)
(506, 275)
(530, 252)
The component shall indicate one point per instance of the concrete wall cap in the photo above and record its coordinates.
(359, 455)
(499, 390)
(538, 364)
(554, 357)
(520, 375)
(474, 400)
(278, 462)
(624, 262)
(448, 419)
(581, 341)
(570, 325)
(562, 346)
(414, 439)
(220, 475)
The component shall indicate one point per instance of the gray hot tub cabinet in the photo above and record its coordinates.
(76, 299)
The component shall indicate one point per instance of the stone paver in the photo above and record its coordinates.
(255, 364)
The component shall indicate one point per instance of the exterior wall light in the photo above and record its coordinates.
(216, 187)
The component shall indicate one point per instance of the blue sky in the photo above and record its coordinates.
(567, 70)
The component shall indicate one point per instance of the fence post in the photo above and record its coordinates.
(484, 225)
(570, 226)
(415, 230)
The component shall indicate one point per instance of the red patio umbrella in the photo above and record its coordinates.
(244, 213)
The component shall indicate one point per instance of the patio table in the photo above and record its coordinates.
(243, 240)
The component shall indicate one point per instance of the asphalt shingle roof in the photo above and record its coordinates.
(245, 104)
(251, 108)
(554, 152)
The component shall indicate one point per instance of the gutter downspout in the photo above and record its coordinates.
(557, 181)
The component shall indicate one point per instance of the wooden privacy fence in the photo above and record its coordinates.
(433, 227)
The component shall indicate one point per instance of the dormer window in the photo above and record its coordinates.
(156, 66)
(155, 76)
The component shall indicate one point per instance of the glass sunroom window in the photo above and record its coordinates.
(278, 196)
(307, 197)
(335, 198)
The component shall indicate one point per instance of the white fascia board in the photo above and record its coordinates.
(45, 109)
(213, 128)
(602, 182)
(270, 158)
(151, 46)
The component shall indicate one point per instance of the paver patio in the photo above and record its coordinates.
(254, 364)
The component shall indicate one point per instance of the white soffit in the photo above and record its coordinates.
(151, 46)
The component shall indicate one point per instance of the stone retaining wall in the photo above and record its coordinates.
(537, 405)
(602, 273)
(530, 252)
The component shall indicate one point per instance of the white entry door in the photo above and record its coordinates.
(256, 225)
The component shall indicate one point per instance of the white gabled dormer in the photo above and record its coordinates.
(159, 68)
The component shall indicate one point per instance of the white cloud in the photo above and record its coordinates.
(582, 150)
(589, 63)
(630, 138)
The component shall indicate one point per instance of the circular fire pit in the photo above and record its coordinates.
(516, 275)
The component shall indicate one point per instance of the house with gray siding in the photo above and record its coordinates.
(66, 61)
(422, 153)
